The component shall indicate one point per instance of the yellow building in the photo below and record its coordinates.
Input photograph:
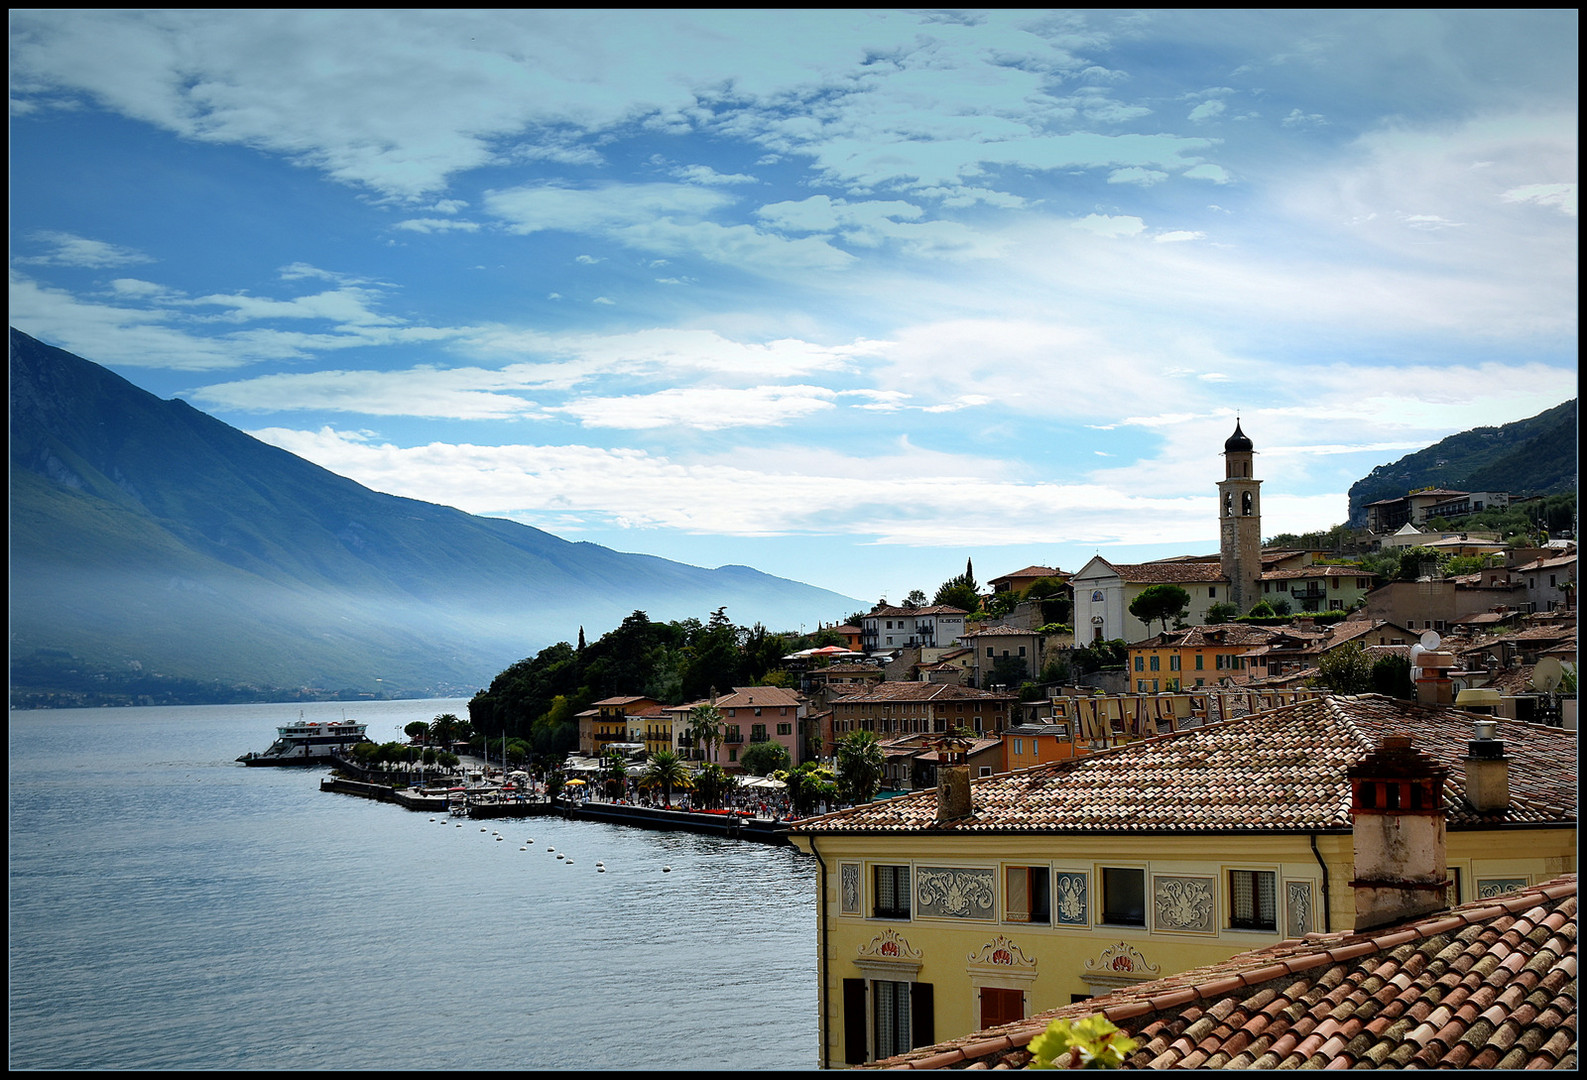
(1136, 862)
(1197, 656)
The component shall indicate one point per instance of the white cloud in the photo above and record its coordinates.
(436, 225)
(704, 174)
(68, 249)
(701, 408)
(1560, 196)
(1106, 225)
(1207, 110)
(1216, 173)
(1178, 236)
(1133, 175)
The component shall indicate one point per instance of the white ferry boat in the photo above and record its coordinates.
(309, 743)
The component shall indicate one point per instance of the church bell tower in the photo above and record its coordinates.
(1240, 522)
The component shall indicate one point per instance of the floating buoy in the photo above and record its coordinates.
(499, 839)
(550, 849)
(523, 849)
(483, 829)
(599, 863)
(568, 863)
(600, 869)
(561, 856)
(666, 869)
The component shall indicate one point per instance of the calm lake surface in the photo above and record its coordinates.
(172, 909)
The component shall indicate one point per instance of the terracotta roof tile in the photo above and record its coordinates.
(1422, 996)
(1283, 769)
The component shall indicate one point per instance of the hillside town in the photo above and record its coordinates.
(1244, 628)
(1135, 785)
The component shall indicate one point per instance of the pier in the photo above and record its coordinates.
(733, 825)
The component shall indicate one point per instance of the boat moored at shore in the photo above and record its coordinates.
(309, 743)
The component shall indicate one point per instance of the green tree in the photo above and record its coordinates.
(418, 729)
(1391, 675)
(915, 599)
(808, 786)
(1261, 610)
(860, 765)
(712, 786)
(705, 728)
(1344, 670)
(1222, 612)
(666, 771)
(764, 758)
(959, 592)
(1419, 562)
(1160, 602)
(613, 774)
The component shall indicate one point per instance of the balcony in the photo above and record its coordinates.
(759, 736)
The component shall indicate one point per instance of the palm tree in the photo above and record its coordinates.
(666, 771)
(705, 727)
(860, 766)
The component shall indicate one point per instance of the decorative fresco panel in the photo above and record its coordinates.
(1183, 904)
(1488, 887)
(955, 892)
(849, 875)
(1072, 907)
(1297, 900)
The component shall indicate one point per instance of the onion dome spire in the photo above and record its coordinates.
(1238, 442)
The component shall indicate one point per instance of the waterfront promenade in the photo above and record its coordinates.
(732, 824)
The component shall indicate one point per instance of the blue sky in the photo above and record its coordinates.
(846, 296)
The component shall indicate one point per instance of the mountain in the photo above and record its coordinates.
(1536, 456)
(160, 555)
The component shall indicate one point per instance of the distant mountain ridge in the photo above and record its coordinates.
(1536, 456)
(160, 552)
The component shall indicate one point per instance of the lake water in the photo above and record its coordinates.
(172, 909)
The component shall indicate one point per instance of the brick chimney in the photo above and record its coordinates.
(1397, 824)
(953, 779)
(1433, 685)
(1487, 770)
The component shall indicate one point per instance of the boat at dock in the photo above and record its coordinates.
(309, 743)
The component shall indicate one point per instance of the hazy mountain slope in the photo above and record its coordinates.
(1536, 456)
(148, 536)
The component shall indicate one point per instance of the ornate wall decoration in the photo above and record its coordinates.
(951, 892)
(849, 887)
(1121, 961)
(1491, 887)
(1183, 903)
(1070, 892)
(1001, 953)
(1297, 895)
(889, 945)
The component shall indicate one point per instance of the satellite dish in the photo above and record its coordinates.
(1547, 674)
(1431, 640)
(1416, 651)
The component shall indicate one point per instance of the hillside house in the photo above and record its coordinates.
(887, 629)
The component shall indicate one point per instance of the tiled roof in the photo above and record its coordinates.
(895, 612)
(1159, 573)
(1209, 637)
(1487, 985)
(901, 690)
(744, 697)
(1283, 769)
(1001, 630)
(1316, 570)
